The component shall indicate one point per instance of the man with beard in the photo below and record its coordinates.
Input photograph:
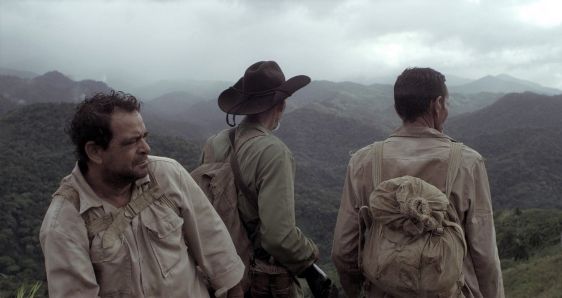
(127, 224)
(265, 179)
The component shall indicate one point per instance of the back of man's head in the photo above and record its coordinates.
(92, 121)
(414, 90)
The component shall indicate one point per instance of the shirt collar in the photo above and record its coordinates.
(249, 125)
(88, 198)
(419, 132)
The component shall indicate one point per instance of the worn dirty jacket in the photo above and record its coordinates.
(268, 169)
(164, 252)
(422, 152)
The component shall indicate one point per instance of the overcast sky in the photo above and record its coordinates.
(362, 41)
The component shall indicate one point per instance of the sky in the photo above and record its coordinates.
(134, 42)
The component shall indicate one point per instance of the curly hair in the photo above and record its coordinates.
(414, 91)
(92, 121)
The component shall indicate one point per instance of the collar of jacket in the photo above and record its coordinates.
(419, 132)
(88, 198)
(253, 125)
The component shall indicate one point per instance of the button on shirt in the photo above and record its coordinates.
(165, 252)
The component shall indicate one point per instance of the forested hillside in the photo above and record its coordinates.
(520, 135)
(530, 247)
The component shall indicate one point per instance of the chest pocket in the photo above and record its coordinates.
(112, 267)
(164, 229)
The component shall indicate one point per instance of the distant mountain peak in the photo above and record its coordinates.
(505, 76)
(55, 77)
(55, 74)
(503, 83)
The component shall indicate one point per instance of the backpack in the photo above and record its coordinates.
(220, 181)
(413, 245)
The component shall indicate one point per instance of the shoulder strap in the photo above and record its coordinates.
(126, 214)
(455, 159)
(208, 153)
(94, 225)
(377, 163)
(236, 167)
(164, 199)
(114, 224)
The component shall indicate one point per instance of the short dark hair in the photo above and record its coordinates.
(414, 90)
(92, 121)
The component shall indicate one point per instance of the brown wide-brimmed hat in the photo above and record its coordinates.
(262, 86)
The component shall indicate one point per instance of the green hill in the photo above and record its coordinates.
(530, 246)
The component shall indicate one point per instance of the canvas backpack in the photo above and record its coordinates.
(413, 245)
(220, 181)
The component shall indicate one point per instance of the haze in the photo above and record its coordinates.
(129, 43)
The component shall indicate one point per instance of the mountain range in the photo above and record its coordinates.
(503, 83)
(519, 134)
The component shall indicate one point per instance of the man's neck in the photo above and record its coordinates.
(263, 121)
(117, 194)
(423, 121)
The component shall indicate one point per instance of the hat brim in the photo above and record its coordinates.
(232, 101)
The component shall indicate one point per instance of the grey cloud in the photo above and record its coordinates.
(335, 40)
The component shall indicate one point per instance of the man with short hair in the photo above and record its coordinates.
(420, 149)
(267, 169)
(127, 224)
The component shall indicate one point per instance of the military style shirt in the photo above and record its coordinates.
(268, 169)
(164, 252)
(422, 152)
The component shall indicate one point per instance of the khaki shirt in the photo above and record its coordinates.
(422, 152)
(161, 253)
(268, 169)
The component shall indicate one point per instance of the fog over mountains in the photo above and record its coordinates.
(519, 134)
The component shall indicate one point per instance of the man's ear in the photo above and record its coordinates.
(440, 102)
(93, 151)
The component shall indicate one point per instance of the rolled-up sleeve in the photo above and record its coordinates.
(481, 235)
(279, 234)
(346, 240)
(67, 260)
(208, 239)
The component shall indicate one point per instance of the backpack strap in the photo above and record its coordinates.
(365, 219)
(115, 223)
(125, 215)
(164, 199)
(236, 167)
(94, 225)
(208, 153)
(252, 230)
(377, 163)
(455, 159)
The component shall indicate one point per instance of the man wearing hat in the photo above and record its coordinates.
(265, 185)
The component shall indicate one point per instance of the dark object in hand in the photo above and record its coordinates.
(319, 283)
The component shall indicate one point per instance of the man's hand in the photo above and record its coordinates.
(236, 292)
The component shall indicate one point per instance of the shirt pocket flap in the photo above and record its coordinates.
(163, 227)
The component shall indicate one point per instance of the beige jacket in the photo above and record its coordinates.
(161, 254)
(422, 152)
